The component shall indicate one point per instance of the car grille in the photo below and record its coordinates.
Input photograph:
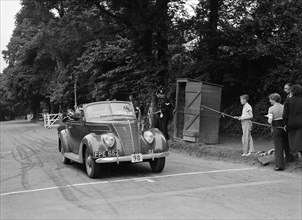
(99, 129)
(130, 143)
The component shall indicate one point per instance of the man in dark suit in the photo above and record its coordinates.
(287, 90)
(164, 113)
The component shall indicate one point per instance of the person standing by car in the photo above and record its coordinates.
(156, 111)
(246, 124)
(275, 113)
(292, 116)
(163, 115)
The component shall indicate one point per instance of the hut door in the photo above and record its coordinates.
(192, 111)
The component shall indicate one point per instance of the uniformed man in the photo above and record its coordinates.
(164, 113)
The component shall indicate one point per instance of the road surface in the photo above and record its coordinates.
(35, 184)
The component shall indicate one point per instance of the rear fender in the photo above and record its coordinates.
(63, 139)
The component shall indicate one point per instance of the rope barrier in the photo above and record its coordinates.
(234, 117)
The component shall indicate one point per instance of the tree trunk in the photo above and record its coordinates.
(213, 22)
(52, 108)
(36, 108)
(147, 42)
(213, 41)
(162, 40)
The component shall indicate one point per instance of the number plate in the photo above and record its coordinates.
(110, 153)
(136, 158)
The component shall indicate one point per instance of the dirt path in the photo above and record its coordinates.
(230, 150)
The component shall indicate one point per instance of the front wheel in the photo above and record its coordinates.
(92, 168)
(158, 164)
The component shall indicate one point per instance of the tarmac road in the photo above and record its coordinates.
(36, 185)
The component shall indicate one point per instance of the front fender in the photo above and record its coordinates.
(93, 142)
(159, 144)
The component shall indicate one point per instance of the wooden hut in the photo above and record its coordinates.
(194, 122)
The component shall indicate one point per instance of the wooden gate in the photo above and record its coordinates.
(51, 120)
(192, 111)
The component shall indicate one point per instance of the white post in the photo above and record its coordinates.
(45, 120)
(48, 121)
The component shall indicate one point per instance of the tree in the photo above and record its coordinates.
(112, 48)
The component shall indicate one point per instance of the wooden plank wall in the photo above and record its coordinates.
(209, 120)
(181, 101)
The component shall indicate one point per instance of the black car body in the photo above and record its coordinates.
(109, 132)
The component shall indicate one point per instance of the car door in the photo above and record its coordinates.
(74, 128)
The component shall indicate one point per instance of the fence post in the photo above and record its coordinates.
(45, 120)
(48, 121)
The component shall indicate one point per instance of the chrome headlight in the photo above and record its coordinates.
(109, 140)
(149, 137)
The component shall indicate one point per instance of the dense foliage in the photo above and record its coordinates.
(112, 48)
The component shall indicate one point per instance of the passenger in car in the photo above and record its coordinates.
(78, 113)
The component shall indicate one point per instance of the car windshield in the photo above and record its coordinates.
(107, 109)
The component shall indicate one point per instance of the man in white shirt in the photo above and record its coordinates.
(246, 124)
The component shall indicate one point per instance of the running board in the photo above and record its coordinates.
(72, 156)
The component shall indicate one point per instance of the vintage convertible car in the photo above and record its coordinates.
(109, 132)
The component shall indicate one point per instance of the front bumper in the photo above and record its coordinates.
(128, 158)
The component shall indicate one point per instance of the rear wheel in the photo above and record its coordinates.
(63, 158)
(92, 168)
(158, 164)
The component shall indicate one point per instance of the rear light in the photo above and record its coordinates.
(109, 140)
(149, 137)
